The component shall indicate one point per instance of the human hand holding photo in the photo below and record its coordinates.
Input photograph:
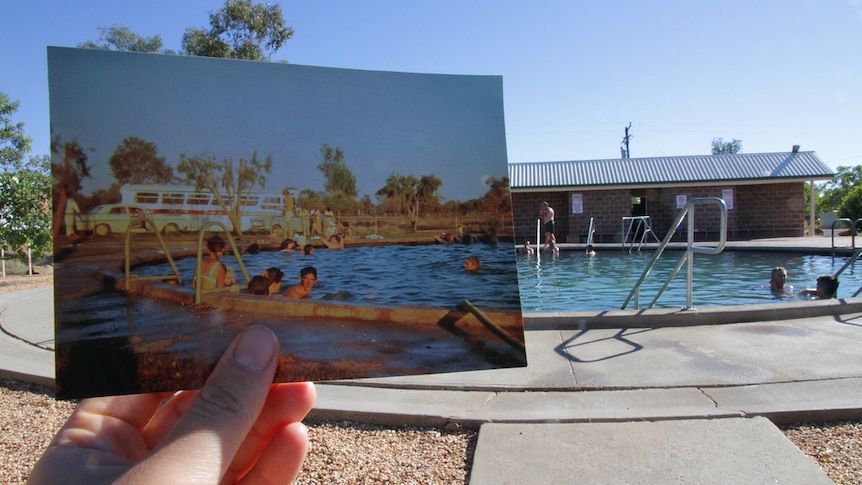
(238, 428)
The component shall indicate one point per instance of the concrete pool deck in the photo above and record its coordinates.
(648, 404)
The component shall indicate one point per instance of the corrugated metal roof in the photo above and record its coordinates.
(669, 170)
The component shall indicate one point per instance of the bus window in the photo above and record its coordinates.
(271, 203)
(199, 199)
(249, 201)
(172, 199)
(146, 198)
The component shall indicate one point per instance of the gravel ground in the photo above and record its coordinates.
(355, 453)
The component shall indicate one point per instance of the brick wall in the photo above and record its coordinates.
(759, 211)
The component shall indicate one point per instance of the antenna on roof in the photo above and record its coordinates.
(795, 149)
(625, 151)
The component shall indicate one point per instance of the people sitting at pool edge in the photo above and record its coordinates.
(472, 263)
(827, 288)
(334, 242)
(552, 247)
(307, 279)
(214, 274)
(526, 248)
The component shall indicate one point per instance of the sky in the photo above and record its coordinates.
(771, 73)
(384, 122)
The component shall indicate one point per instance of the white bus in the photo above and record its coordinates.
(182, 208)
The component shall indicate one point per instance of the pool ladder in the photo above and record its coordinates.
(142, 221)
(687, 258)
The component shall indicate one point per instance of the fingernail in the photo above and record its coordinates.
(255, 349)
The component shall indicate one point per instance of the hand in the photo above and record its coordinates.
(239, 427)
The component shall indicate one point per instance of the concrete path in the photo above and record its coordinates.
(684, 403)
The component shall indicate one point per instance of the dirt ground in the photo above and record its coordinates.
(16, 282)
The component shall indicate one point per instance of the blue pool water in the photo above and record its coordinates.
(400, 275)
(390, 276)
(575, 281)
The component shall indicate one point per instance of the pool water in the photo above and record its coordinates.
(575, 281)
(390, 276)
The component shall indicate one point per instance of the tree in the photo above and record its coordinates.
(832, 193)
(240, 30)
(66, 177)
(721, 147)
(14, 145)
(121, 38)
(411, 194)
(851, 204)
(497, 199)
(25, 209)
(228, 185)
(340, 183)
(136, 161)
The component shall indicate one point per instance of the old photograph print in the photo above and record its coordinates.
(363, 216)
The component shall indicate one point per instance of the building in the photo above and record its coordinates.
(764, 194)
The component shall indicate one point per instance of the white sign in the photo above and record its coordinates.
(727, 195)
(681, 201)
(577, 204)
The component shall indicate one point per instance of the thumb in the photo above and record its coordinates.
(200, 448)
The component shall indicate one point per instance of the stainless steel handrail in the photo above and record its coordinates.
(688, 257)
(143, 220)
(850, 262)
(643, 222)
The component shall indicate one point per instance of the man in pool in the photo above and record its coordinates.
(546, 214)
(827, 288)
(472, 263)
(777, 283)
(307, 280)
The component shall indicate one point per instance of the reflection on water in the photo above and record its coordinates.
(576, 282)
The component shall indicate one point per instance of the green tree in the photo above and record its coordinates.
(832, 193)
(25, 210)
(240, 30)
(411, 194)
(66, 177)
(136, 161)
(721, 147)
(121, 38)
(340, 183)
(14, 145)
(228, 184)
(851, 204)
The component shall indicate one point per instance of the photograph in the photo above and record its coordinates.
(365, 217)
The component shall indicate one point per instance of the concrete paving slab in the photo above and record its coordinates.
(27, 323)
(600, 406)
(545, 369)
(738, 354)
(794, 402)
(718, 451)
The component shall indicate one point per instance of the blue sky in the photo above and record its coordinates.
(772, 73)
(451, 126)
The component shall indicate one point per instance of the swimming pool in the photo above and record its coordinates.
(576, 282)
(390, 276)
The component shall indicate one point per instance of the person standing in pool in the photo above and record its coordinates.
(273, 276)
(546, 215)
(307, 280)
(827, 288)
(213, 272)
(472, 263)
